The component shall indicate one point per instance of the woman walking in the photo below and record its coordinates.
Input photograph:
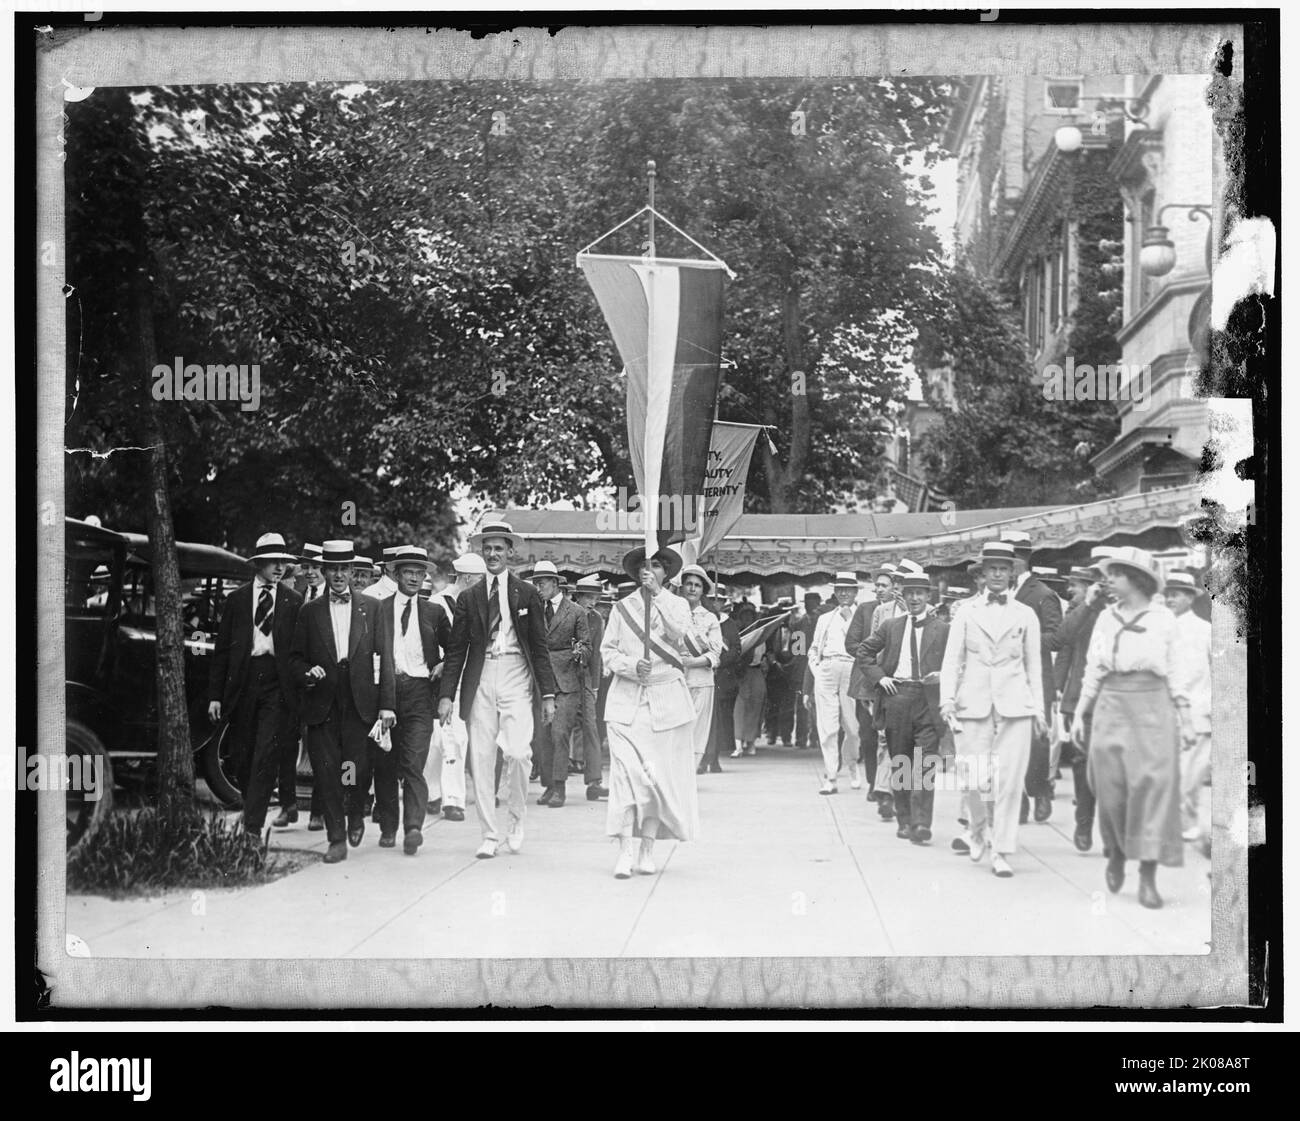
(650, 717)
(1134, 688)
(701, 650)
(753, 687)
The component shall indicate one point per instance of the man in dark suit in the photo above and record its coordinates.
(413, 634)
(249, 680)
(498, 661)
(585, 594)
(569, 646)
(902, 659)
(801, 638)
(333, 656)
(1046, 604)
(308, 582)
(862, 624)
(722, 739)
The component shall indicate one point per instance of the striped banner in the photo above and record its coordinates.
(666, 319)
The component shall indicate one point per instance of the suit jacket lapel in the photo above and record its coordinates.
(325, 624)
(356, 629)
(928, 636)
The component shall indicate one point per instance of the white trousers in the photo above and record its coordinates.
(835, 710)
(702, 695)
(445, 769)
(992, 757)
(501, 716)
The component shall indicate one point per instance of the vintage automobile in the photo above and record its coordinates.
(111, 695)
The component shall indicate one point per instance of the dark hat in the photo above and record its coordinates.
(337, 552)
(671, 559)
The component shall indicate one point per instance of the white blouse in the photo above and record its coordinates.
(705, 636)
(1148, 641)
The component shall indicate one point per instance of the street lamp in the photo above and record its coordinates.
(1157, 256)
(1069, 138)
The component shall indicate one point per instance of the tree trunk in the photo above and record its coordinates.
(783, 478)
(175, 755)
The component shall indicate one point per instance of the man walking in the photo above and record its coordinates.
(991, 695)
(413, 634)
(309, 582)
(586, 593)
(569, 647)
(832, 666)
(250, 681)
(1194, 641)
(497, 661)
(801, 637)
(333, 656)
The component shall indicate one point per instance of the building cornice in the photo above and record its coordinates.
(1138, 441)
(1182, 287)
(1127, 166)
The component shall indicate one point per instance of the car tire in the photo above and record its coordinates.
(85, 816)
(219, 777)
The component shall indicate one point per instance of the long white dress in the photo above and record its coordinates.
(651, 761)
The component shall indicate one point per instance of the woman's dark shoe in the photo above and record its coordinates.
(1083, 837)
(1115, 874)
(1147, 894)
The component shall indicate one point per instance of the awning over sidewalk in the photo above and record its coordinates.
(811, 548)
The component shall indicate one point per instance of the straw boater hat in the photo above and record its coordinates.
(1181, 580)
(916, 581)
(1130, 557)
(1020, 541)
(591, 584)
(310, 554)
(1083, 575)
(544, 568)
(625, 587)
(469, 564)
(887, 569)
(955, 593)
(336, 552)
(696, 571)
(671, 559)
(363, 562)
(1101, 552)
(412, 554)
(386, 557)
(998, 551)
(908, 567)
(271, 547)
(845, 580)
(494, 529)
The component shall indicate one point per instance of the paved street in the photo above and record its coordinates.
(777, 871)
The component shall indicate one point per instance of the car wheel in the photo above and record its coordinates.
(219, 768)
(87, 808)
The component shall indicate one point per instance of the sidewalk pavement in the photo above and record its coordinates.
(777, 871)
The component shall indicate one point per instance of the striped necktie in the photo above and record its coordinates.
(265, 610)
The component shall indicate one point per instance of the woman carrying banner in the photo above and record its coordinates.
(1135, 682)
(701, 648)
(650, 716)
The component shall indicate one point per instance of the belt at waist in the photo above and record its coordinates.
(262, 658)
(408, 676)
(908, 683)
(1138, 681)
(505, 653)
(837, 658)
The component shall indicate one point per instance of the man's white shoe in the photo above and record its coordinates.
(623, 869)
(1000, 866)
(855, 776)
(738, 753)
(828, 787)
(978, 844)
(487, 850)
(515, 838)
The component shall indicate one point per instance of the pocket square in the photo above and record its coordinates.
(522, 612)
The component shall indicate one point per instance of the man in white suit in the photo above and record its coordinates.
(831, 667)
(991, 695)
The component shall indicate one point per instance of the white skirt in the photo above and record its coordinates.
(652, 775)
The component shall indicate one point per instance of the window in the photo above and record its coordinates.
(1062, 95)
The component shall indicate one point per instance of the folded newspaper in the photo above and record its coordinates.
(381, 736)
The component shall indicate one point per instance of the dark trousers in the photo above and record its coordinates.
(1038, 783)
(912, 737)
(779, 718)
(592, 763)
(287, 776)
(868, 741)
(1085, 801)
(258, 725)
(722, 736)
(551, 741)
(340, 763)
(405, 763)
(803, 721)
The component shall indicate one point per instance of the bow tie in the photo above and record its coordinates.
(997, 597)
(335, 597)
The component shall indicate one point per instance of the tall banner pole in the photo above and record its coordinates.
(650, 549)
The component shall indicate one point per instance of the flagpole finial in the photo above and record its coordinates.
(650, 177)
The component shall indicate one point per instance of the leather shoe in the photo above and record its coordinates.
(714, 769)
(1042, 808)
(886, 808)
(903, 832)
(336, 853)
(547, 795)
(1083, 838)
(920, 835)
(454, 813)
(412, 841)
(557, 797)
(1148, 896)
(1115, 875)
(315, 823)
(960, 844)
(487, 850)
(356, 830)
(287, 817)
(435, 807)
(595, 792)
(701, 769)
(1001, 867)
(387, 840)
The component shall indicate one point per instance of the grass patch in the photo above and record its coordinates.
(146, 852)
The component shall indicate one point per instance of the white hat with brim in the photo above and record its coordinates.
(1134, 558)
(845, 580)
(699, 573)
(470, 564)
(544, 568)
(336, 552)
(310, 554)
(494, 529)
(998, 551)
(1179, 581)
(271, 547)
(592, 584)
(409, 555)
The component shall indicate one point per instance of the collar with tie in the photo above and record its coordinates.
(265, 586)
(997, 597)
(340, 597)
(919, 620)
